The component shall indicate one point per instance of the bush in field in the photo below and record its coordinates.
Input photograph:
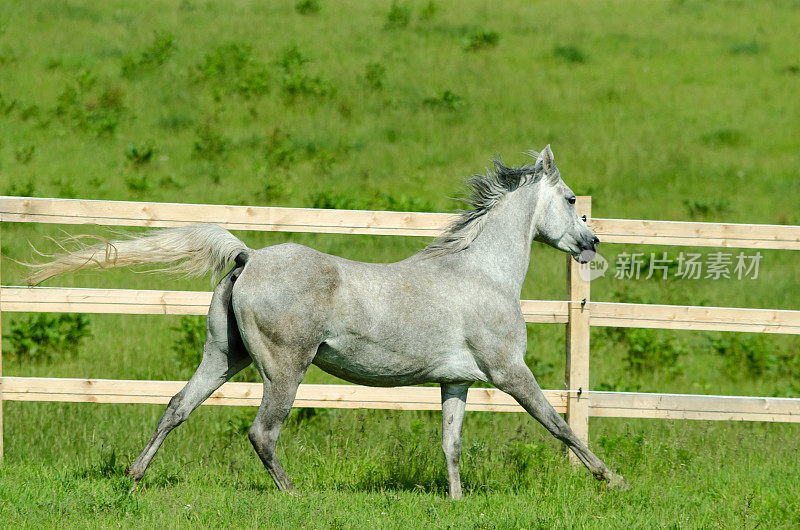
(43, 338)
(188, 346)
(399, 16)
(89, 107)
(232, 68)
(139, 155)
(307, 7)
(480, 39)
(374, 75)
(296, 81)
(447, 100)
(570, 54)
(154, 55)
(745, 356)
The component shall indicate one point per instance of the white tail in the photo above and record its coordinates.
(191, 250)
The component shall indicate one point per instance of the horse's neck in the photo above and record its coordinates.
(502, 250)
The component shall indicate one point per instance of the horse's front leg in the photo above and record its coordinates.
(518, 381)
(454, 403)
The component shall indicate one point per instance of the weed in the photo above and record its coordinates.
(7, 106)
(447, 100)
(273, 185)
(374, 75)
(90, 110)
(399, 16)
(403, 203)
(137, 183)
(280, 150)
(156, 54)
(43, 338)
(175, 122)
(480, 39)
(745, 356)
(209, 144)
(570, 54)
(701, 207)
(139, 155)
(428, 11)
(24, 154)
(169, 182)
(308, 7)
(65, 189)
(29, 111)
(28, 189)
(295, 80)
(336, 201)
(648, 351)
(188, 346)
(746, 48)
(723, 137)
(233, 68)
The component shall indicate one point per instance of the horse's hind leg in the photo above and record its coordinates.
(282, 368)
(224, 356)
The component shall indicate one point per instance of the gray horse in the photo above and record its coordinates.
(449, 314)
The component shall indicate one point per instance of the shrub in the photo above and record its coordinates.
(233, 68)
(374, 75)
(480, 39)
(428, 11)
(447, 100)
(399, 16)
(139, 155)
(209, 144)
(90, 110)
(307, 7)
(295, 80)
(188, 346)
(647, 352)
(570, 54)
(42, 338)
(723, 137)
(745, 356)
(24, 154)
(154, 55)
(137, 183)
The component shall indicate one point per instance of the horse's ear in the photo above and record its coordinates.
(548, 161)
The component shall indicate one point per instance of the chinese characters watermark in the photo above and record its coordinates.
(684, 266)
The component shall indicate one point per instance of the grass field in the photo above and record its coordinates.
(679, 110)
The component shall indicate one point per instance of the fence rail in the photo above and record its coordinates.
(578, 312)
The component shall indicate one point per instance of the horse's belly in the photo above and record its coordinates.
(371, 364)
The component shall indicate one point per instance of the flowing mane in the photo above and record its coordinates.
(483, 193)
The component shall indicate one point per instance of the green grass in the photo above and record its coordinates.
(680, 110)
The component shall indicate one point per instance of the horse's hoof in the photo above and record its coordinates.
(617, 483)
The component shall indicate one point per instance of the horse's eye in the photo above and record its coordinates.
(571, 200)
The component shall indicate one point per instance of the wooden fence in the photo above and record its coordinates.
(578, 312)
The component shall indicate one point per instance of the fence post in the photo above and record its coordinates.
(577, 342)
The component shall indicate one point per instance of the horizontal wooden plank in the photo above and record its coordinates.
(693, 407)
(120, 301)
(124, 301)
(143, 302)
(331, 396)
(695, 318)
(263, 218)
(692, 234)
(601, 404)
(267, 218)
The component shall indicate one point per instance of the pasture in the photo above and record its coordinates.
(673, 110)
